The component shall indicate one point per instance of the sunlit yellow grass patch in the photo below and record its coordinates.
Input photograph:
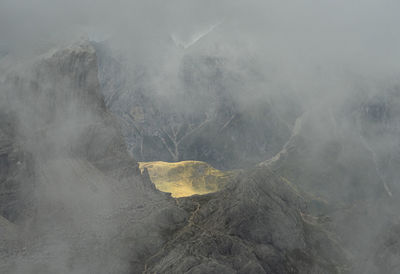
(186, 178)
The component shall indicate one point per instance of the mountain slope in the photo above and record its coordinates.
(201, 114)
(67, 181)
(76, 201)
(257, 225)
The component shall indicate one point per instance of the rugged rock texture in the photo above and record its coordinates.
(77, 198)
(210, 113)
(74, 201)
(257, 225)
(326, 157)
(342, 157)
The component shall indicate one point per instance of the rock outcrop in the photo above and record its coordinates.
(257, 225)
(70, 191)
(203, 113)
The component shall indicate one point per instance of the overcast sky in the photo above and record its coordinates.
(359, 28)
(308, 43)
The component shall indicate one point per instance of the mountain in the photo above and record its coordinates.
(258, 224)
(75, 201)
(70, 190)
(341, 155)
(210, 113)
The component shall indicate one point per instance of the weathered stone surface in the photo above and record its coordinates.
(256, 225)
(203, 115)
(61, 152)
(81, 204)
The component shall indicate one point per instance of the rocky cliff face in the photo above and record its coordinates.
(326, 156)
(342, 157)
(68, 184)
(201, 116)
(74, 200)
(257, 225)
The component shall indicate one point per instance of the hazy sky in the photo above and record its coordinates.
(310, 45)
(359, 29)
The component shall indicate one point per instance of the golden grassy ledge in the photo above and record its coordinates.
(186, 178)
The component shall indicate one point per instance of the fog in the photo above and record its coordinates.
(311, 45)
(334, 63)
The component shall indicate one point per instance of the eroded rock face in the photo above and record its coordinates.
(77, 198)
(256, 225)
(327, 157)
(79, 204)
(342, 156)
(204, 115)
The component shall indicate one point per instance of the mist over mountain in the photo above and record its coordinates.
(281, 118)
(204, 117)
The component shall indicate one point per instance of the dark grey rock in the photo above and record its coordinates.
(204, 118)
(256, 225)
(76, 197)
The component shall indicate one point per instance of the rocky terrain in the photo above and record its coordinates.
(202, 116)
(338, 160)
(71, 193)
(74, 200)
(259, 224)
(199, 137)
